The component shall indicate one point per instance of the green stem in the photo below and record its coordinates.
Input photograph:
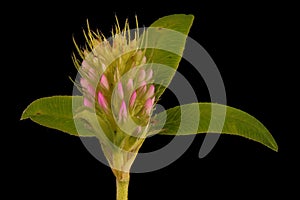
(122, 189)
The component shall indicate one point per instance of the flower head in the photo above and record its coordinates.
(117, 83)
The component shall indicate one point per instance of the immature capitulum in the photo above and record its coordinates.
(115, 80)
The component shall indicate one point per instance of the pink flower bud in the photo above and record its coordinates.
(143, 88)
(144, 59)
(150, 92)
(85, 65)
(87, 102)
(148, 106)
(149, 74)
(123, 111)
(132, 99)
(83, 82)
(102, 101)
(103, 67)
(95, 60)
(142, 75)
(91, 90)
(143, 83)
(104, 82)
(87, 87)
(130, 85)
(120, 90)
(92, 74)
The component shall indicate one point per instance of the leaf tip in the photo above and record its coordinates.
(272, 144)
(27, 113)
(192, 16)
(275, 147)
(24, 115)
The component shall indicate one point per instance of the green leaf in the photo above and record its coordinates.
(178, 22)
(56, 112)
(212, 118)
(165, 43)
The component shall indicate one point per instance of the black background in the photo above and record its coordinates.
(244, 40)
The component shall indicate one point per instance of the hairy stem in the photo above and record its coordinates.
(122, 189)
